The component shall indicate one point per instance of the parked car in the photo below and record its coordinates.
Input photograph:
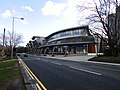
(18, 54)
(25, 55)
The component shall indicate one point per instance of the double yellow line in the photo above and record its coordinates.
(39, 85)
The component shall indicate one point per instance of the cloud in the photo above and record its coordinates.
(8, 13)
(71, 12)
(2, 26)
(52, 8)
(68, 13)
(24, 22)
(69, 16)
(27, 8)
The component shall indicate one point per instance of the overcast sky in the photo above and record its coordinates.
(41, 17)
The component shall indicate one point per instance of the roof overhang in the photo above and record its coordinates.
(66, 44)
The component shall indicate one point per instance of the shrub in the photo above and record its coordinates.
(107, 52)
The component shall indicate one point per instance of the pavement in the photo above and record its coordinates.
(80, 58)
(71, 58)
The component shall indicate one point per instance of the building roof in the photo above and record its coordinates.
(36, 37)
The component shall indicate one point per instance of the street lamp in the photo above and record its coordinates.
(12, 37)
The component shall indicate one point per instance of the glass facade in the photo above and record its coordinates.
(81, 32)
(73, 40)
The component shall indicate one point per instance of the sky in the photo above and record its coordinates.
(41, 17)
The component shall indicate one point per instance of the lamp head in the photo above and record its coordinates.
(22, 18)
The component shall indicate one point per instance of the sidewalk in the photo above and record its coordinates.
(82, 58)
(71, 58)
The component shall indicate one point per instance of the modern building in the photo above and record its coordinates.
(76, 40)
(35, 43)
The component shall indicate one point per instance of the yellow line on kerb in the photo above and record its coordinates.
(36, 78)
(33, 76)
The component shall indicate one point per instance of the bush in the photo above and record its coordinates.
(108, 52)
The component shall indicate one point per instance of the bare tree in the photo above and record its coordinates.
(18, 39)
(1, 39)
(9, 39)
(99, 21)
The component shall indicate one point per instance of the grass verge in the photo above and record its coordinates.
(11, 76)
(106, 59)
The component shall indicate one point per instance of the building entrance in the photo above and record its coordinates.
(78, 49)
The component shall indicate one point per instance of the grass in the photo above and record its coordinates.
(108, 59)
(9, 74)
(7, 63)
(5, 71)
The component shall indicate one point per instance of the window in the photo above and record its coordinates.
(77, 32)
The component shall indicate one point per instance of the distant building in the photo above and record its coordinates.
(35, 43)
(76, 40)
(39, 40)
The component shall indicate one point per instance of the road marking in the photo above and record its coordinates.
(45, 60)
(56, 63)
(38, 58)
(39, 85)
(85, 70)
(106, 68)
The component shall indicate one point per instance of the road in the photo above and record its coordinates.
(69, 75)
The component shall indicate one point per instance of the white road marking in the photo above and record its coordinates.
(107, 68)
(85, 70)
(45, 60)
(38, 58)
(56, 63)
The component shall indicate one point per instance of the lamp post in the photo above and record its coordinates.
(12, 37)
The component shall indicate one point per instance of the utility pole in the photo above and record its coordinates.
(3, 44)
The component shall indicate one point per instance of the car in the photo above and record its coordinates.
(18, 54)
(25, 55)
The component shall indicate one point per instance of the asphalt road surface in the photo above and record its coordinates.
(69, 75)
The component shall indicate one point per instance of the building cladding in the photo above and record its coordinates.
(76, 40)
